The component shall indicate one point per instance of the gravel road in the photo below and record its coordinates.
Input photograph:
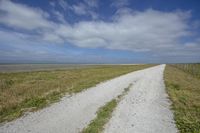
(144, 109)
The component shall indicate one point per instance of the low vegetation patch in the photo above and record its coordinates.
(28, 91)
(104, 114)
(184, 90)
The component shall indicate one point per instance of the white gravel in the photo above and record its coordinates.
(145, 109)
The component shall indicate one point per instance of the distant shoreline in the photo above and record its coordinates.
(4, 68)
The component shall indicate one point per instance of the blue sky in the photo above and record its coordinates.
(99, 31)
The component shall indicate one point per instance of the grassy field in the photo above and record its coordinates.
(183, 88)
(29, 91)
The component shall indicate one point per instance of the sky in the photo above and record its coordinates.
(99, 31)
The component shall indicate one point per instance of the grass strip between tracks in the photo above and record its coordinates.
(104, 114)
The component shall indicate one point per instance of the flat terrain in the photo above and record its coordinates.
(29, 91)
(40, 67)
(146, 104)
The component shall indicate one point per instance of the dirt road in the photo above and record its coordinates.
(144, 109)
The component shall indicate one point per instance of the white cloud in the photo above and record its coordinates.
(149, 31)
(79, 9)
(120, 3)
(22, 16)
(136, 31)
(84, 9)
(92, 3)
(52, 38)
(59, 16)
(63, 4)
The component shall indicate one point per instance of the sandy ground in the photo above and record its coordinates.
(144, 109)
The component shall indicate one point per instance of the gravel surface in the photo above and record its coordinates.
(145, 109)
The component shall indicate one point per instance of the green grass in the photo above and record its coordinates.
(104, 114)
(184, 91)
(29, 91)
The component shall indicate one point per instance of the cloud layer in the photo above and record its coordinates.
(150, 31)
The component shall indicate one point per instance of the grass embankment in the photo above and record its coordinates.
(29, 91)
(184, 91)
(104, 114)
